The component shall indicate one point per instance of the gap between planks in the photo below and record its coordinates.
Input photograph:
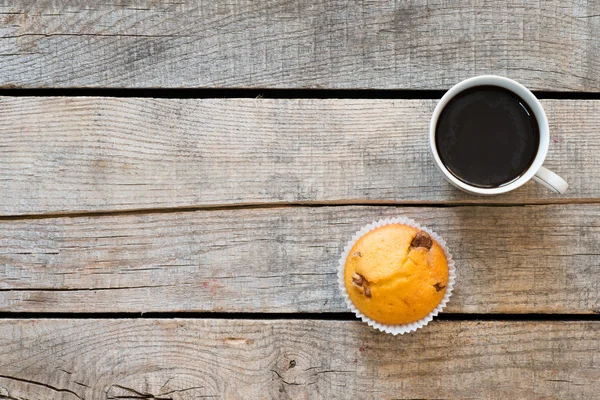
(312, 316)
(266, 93)
(308, 204)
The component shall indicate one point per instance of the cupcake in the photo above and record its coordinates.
(396, 275)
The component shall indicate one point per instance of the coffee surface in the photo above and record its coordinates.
(487, 136)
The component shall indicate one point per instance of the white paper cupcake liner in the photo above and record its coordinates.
(399, 329)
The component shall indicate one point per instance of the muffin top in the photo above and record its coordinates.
(396, 274)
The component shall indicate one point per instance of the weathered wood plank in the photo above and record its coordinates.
(550, 45)
(104, 154)
(240, 359)
(530, 259)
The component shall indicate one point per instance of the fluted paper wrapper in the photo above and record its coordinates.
(401, 328)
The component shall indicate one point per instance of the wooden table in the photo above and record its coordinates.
(178, 179)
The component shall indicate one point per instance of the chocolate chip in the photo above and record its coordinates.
(357, 254)
(438, 287)
(362, 283)
(422, 240)
(358, 279)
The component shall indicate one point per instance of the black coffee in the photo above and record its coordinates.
(487, 136)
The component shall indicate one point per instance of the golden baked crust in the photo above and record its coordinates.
(396, 274)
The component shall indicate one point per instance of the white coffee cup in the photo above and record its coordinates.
(535, 171)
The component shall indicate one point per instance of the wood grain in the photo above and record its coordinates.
(104, 154)
(529, 259)
(549, 45)
(240, 359)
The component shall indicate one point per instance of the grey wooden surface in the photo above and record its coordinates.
(68, 155)
(548, 45)
(525, 259)
(112, 207)
(249, 359)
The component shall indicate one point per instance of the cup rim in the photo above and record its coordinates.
(521, 91)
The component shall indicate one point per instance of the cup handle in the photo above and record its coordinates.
(547, 178)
